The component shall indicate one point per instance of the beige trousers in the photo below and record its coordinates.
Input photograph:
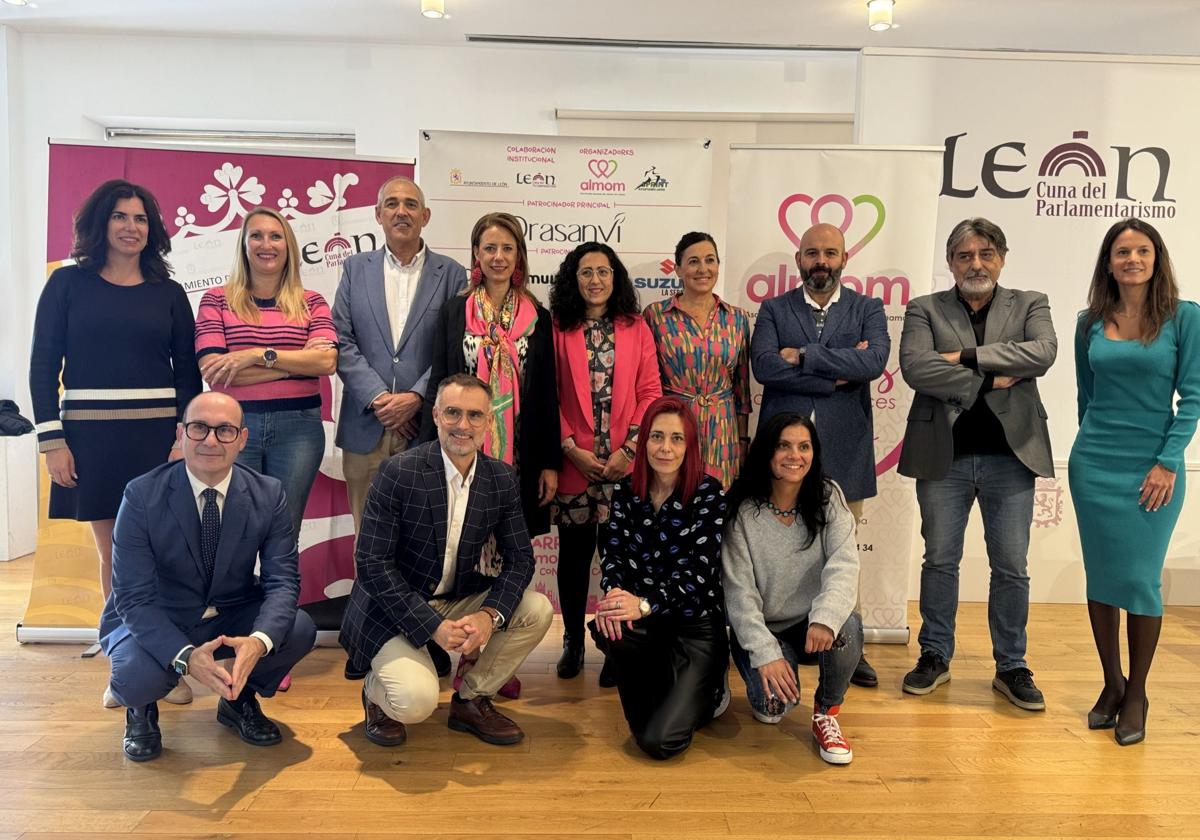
(359, 470)
(404, 683)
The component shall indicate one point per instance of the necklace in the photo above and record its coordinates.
(778, 512)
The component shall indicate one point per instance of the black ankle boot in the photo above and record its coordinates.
(571, 661)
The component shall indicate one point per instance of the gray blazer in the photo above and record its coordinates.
(1018, 341)
(370, 359)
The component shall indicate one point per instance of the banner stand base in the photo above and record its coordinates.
(886, 635)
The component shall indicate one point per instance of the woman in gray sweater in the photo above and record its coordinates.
(790, 564)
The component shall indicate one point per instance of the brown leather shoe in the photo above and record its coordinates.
(479, 717)
(379, 728)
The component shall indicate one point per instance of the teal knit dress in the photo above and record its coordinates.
(1126, 426)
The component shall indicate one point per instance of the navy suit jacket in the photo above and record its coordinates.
(843, 413)
(159, 592)
(400, 551)
(370, 359)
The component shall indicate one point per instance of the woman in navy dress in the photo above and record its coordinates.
(1137, 345)
(119, 331)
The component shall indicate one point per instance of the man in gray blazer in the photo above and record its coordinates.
(816, 350)
(976, 430)
(385, 311)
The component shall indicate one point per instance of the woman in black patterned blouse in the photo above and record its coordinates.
(662, 619)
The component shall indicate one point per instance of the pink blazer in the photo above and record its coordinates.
(636, 384)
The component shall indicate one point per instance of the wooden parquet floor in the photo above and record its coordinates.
(961, 762)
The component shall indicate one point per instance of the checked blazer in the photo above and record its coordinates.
(400, 550)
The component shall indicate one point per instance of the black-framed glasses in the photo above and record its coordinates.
(198, 430)
(454, 416)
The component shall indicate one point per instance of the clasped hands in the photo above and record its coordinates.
(398, 412)
(615, 607)
(226, 683)
(466, 635)
(593, 469)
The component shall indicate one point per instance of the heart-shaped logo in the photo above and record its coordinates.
(848, 206)
(602, 168)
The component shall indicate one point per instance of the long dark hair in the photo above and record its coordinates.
(1162, 299)
(90, 248)
(691, 471)
(754, 482)
(566, 303)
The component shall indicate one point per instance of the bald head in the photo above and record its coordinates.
(820, 259)
(216, 400)
(211, 436)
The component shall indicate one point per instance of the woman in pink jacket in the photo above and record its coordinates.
(607, 371)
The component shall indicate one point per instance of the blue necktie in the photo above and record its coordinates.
(210, 532)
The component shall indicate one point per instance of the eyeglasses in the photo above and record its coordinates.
(198, 430)
(454, 416)
(589, 273)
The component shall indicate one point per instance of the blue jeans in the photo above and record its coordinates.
(1004, 488)
(287, 445)
(834, 666)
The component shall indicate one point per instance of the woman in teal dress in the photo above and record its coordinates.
(1136, 346)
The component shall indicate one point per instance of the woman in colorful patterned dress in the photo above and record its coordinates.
(607, 376)
(704, 355)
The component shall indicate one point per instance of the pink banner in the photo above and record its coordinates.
(204, 196)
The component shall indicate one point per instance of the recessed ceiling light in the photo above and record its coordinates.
(17, 2)
(879, 15)
(434, 9)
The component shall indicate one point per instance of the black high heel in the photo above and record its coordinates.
(1099, 720)
(1128, 737)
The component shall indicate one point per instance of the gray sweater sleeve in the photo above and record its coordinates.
(743, 600)
(839, 578)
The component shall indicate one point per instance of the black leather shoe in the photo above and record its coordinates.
(247, 719)
(1129, 737)
(441, 659)
(1104, 720)
(143, 739)
(864, 674)
(571, 661)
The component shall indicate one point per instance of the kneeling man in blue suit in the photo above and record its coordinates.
(185, 593)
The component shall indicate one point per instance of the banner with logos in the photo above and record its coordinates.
(636, 195)
(204, 195)
(1034, 143)
(885, 202)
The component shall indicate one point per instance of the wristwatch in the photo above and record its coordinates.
(181, 661)
(497, 619)
(629, 453)
(644, 607)
(270, 357)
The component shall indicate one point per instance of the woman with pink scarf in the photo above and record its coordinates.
(498, 332)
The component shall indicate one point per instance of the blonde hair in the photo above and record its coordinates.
(289, 297)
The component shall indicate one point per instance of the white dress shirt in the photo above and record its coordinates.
(837, 293)
(399, 287)
(458, 490)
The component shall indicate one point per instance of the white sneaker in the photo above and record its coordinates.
(777, 708)
(110, 702)
(180, 695)
(724, 702)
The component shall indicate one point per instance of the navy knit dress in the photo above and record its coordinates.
(128, 369)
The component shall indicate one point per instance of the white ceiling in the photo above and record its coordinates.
(1141, 27)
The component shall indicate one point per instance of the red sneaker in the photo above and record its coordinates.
(828, 734)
